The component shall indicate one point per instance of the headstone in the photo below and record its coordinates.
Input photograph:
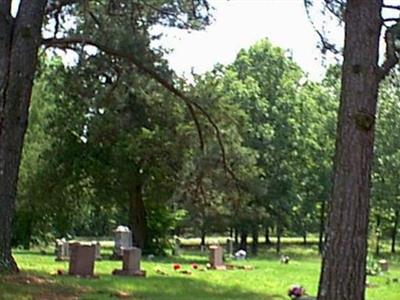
(241, 254)
(130, 263)
(216, 258)
(384, 265)
(229, 246)
(82, 258)
(176, 251)
(62, 249)
(122, 239)
(98, 249)
(202, 248)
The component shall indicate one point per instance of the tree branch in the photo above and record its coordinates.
(391, 56)
(391, 6)
(54, 6)
(66, 42)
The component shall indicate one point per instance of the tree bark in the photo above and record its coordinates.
(19, 43)
(243, 240)
(278, 239)
(378, 234)
(343, 268)
(267, 238)
(394, 231)
(321, 227)
(137, 217)
(254, 244)
(203, 238)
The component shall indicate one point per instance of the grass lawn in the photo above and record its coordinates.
(268, 281)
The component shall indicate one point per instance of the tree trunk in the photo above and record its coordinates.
(236, 236)
(137, 217)
(304, 237)
(321, 227)
(243, 240)
(343, 273)
(254, 244)
(19, 42)
(279, 231)
(394, 231)
(378, 234)
(203, 238)
(278, 242)
(267, 238)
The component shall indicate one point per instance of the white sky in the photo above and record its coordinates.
(239, 24)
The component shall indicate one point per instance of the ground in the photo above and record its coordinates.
(269, 280)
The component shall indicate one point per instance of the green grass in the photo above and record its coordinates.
(268, 281)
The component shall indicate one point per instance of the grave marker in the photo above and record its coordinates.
(130, 263)
(216, 258)
(82, 258)
(122, 239)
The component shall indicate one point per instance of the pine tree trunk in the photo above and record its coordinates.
(343, 272)
(19, 42)
(137, 217)
(394, 231)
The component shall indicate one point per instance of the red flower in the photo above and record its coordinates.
(176, 266)
(195, 266)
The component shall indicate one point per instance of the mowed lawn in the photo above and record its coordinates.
(269, 280)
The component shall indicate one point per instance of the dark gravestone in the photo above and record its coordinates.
(82, 258)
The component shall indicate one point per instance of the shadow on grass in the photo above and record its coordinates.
(29, 286)
(173, 288)
(37, 285)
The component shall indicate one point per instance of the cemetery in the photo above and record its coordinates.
(199, 149)
(214, 274)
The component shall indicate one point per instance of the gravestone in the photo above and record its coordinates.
(229, 246)
(62, 249)
(82, 258)
(130, 263)
(98, 249)
(176, 251)
(383, 265)
(122, 239)
(216, 258)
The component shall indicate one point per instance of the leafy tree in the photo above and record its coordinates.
(124, 25)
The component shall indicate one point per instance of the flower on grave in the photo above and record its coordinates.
(176, 266)
(296, 291)
(195, 266)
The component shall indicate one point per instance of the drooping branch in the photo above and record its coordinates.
(391, 6)
(326, 46)
(392, 57)
(67, 42)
